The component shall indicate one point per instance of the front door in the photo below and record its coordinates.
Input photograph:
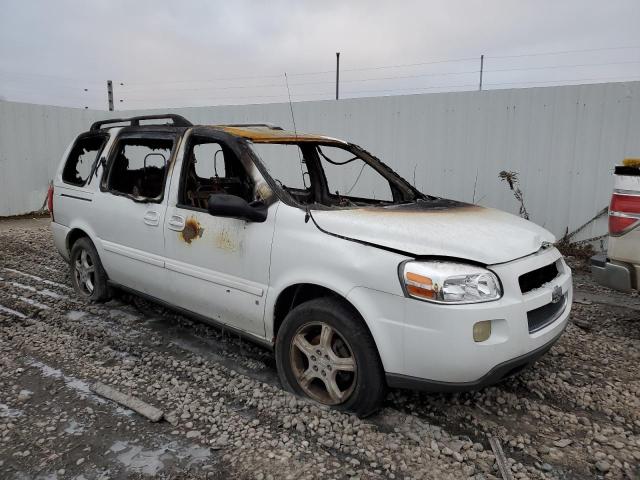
(218, 267)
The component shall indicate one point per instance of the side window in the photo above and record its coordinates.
(81, 159)
(139, 166)
(211, 167)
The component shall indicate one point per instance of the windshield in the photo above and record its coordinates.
(332, 175)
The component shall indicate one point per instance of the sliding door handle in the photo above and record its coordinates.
(151, 217)
(176, 222)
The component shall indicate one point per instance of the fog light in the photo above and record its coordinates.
(482, 331)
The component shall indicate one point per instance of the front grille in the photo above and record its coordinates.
(536, 278)
(540, 317)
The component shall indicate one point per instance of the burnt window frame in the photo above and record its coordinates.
(194, 138)
(122, 137)
(398, 183)
(81, 137)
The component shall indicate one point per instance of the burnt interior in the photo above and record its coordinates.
(536, 278)
(627, 170)
(139, 167)
(212, 167)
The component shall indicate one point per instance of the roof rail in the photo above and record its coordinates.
(267, 125)
(177, 121)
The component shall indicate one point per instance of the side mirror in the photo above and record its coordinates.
(223, 205)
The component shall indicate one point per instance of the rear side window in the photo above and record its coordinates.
(82, 158)
(139, 167)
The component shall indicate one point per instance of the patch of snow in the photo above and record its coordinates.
(79, 386)
(74, 427)
(39, 279)
(32, 302)
(150, 461)
(8, 412)
(75, 315)
(12, 312)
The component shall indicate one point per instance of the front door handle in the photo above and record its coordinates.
(176, 222)
(151, 217)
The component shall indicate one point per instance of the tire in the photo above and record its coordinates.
(87, 275)
(347, 374)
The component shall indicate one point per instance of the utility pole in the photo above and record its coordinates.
(110, 94)
(481, 68)
(337, 75)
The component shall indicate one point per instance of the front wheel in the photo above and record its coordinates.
(324, 352)
(87, 275)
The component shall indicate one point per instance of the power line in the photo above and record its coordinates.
(42, 75)
(562, 66)
(393, 90)
(562, 52)
(375, 67)
(527, 82)
(398, 77)
(279, 85)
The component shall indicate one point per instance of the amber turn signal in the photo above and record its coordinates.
(419, 285)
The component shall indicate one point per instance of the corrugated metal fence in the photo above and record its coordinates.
(562, 141)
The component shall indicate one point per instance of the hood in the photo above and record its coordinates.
(439, 227)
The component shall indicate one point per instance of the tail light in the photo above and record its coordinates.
(50, 200)
(624, 213)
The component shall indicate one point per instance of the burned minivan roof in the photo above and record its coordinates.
(269, 134)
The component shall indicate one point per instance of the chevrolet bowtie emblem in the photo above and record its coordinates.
(556, 294)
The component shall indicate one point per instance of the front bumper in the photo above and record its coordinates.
(430, 346)
(616, 275)
(495, 375)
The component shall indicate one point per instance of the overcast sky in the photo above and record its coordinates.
(206, 52)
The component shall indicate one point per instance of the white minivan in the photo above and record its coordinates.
(311, 246)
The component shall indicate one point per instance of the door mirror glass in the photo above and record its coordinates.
(223, 205)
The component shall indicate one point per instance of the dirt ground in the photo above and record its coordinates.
(574, 415)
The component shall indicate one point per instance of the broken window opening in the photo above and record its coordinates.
(287, 165)
(332, 175)
(350, 177)
(139, 167)
(212, 167)
(82, 158)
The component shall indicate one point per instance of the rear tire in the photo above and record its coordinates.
(324, 352)
(87, 275)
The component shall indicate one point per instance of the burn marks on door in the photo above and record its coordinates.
(192, 230)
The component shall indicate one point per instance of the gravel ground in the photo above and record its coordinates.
(574, 415)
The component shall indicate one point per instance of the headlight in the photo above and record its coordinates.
(449, 282)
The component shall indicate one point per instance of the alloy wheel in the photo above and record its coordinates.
(84, 272)
(323, 363)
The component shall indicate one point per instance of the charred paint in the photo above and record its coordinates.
(229, 238)
(430, 205)
(266, 135)
(192, 230)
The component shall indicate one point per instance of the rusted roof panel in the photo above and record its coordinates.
(272, 135)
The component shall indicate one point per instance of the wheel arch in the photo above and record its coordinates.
(73, 236)
(298, 293)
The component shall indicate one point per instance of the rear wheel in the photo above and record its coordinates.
(324, 352)
(87, 275)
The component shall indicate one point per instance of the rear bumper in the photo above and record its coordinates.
(495, 375)
(60, 233)
(613, 274)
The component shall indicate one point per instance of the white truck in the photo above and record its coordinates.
(313, 247)
(619, 268)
